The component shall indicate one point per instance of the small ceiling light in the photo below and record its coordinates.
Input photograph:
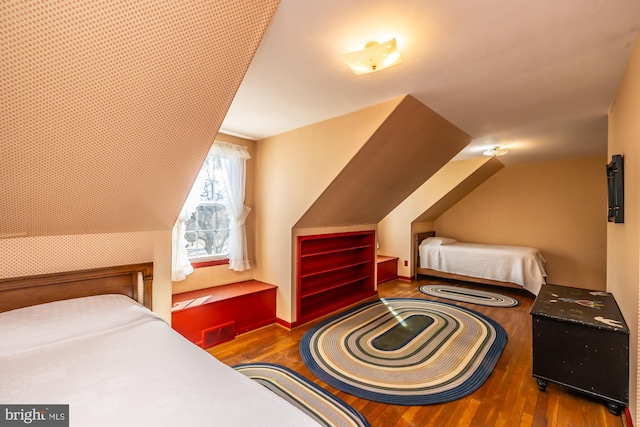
(374, 57)
(495, 151)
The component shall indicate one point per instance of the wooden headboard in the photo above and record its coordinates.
(419, 237)
(24, 291)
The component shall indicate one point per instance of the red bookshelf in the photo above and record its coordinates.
(334, 271)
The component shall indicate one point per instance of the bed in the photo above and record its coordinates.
(89, 343)
(501, 265)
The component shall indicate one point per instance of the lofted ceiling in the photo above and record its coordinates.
(535, 77)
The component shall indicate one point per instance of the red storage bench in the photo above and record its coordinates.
(210, 316)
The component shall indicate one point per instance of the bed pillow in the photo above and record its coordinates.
(40, 325)
(438, 241)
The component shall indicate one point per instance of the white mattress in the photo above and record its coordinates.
(118, 364)
(516, 264)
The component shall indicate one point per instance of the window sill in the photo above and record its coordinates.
(211, 263)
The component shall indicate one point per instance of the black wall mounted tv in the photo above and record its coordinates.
(615, 189)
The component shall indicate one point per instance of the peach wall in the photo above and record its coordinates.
(558, 207)
(411, 145)
(394, 231)
(52, 254)
(293, 169)
(220, 274)
(623, 240)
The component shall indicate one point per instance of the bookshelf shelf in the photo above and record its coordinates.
(334, 271)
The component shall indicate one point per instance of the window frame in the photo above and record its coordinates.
(209, 263)
(208, 260)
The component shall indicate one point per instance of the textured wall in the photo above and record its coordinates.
(107, 109)
(53, 254)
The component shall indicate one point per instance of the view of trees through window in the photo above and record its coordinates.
(207, 231)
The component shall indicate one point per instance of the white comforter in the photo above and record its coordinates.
(118, 364)
(516, 264)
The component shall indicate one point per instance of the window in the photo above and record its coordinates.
(211, 225)
(207, 230)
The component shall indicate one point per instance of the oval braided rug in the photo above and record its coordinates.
(404, 351)
(473, 296)
(319, 404)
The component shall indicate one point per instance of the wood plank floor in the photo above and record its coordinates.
(509, 397)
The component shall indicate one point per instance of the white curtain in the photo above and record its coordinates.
(180, 264)
(233, 160)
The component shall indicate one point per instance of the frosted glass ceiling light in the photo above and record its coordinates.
(495, 151)
(374, 57)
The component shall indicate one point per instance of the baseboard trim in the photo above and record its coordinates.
(286, 324)
(627, 418)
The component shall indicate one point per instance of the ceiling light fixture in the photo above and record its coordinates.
(495, 151)
(374, 57)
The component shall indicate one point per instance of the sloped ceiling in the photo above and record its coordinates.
(537, 77)
(107, 109)
(460, 191)
(408, 147)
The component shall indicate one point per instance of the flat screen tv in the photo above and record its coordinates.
(615, 189)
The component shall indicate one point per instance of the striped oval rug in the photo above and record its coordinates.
(404, 351)
(319, 404)
(473, 296)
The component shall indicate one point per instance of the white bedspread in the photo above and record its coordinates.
(517, 264)
(118, 364)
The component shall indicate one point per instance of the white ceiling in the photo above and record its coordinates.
(537, 77)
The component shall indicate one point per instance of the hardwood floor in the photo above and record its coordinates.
(509, 397)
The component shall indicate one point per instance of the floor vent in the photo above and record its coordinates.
(218, 334)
